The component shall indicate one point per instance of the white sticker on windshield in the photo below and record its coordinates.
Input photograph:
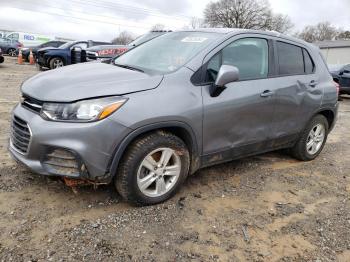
(194, 39)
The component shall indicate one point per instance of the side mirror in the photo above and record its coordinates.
(227, 74)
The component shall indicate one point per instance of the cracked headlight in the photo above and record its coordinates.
(82, 111)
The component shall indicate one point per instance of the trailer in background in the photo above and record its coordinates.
(29, 39)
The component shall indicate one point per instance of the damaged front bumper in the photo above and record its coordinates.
(71, 150)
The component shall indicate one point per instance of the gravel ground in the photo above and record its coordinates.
(264, 208)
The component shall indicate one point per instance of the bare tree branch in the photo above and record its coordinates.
(250, 14)
(124, 38)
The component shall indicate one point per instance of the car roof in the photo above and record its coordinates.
(234, 31)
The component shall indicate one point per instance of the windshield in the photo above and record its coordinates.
(166, 53)
(145, 38)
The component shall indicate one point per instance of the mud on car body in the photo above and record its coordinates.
(146, 121)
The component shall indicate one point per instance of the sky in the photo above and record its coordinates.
(105, 19)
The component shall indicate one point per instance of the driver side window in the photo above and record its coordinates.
(249, 55)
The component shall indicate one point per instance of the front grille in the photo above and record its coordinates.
(20, 135)
(32, 104)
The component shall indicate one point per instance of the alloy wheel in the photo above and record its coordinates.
(159, 172)
(58, 63)
(12, 52)
(315, 139)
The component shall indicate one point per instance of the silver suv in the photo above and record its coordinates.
(180, 102)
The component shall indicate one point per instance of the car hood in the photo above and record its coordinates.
(47, 49)
(88, 80)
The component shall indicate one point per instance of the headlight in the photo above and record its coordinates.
(82, 111)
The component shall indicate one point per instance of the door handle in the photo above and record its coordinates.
(313, 83)
(267, 93)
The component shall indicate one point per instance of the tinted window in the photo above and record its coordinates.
(290, 58)
(249, 55)
(309, 64)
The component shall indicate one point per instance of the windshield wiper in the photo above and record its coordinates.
(130, 67)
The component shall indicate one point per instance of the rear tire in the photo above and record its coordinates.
(152, 169)
(312, 139)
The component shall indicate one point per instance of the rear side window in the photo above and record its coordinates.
(290, 59)
(309, 64)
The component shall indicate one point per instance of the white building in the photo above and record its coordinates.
(336, 52)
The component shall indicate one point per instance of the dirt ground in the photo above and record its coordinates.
(264, 208)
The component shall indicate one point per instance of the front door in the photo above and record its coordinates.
(238, 121)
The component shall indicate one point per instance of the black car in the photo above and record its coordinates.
(1, 57)
(26, 51)
(9, 46)
(67, 54)
(341, 75)
(106, 52)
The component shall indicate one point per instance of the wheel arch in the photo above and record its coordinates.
(329, 114)
(180, 129)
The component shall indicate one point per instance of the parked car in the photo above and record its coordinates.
(106, 52)
(184, 101)
(26, 51)
(10, 47)
(1, 57)
(66, 54)
(341, 75)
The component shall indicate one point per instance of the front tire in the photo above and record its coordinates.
(153, 169)
(312, 139)
(56, 62)
(12, 52)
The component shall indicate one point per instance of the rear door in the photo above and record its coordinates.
(238, 120)
(299, 93)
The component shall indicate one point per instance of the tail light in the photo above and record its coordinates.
(19, 45)
(337, 86)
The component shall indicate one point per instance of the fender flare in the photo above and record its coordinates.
(119, 152)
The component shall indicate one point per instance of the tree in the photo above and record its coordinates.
(345, 35)
(249, 14)
(280, 23)
(124, 38)
(197, 22)
(158, 27)
(320, 32)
